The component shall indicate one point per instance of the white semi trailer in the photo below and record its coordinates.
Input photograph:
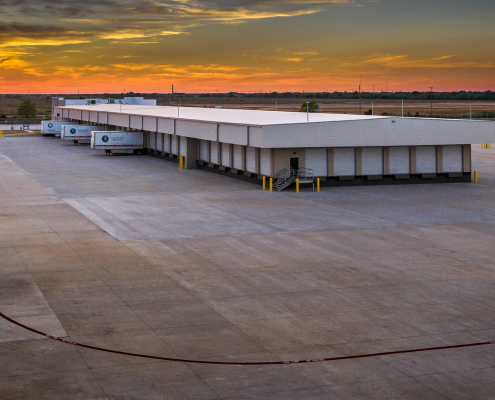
(118, 142)
(79, 133)
(54, 127)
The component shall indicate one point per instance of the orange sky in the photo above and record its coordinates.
(246, 45)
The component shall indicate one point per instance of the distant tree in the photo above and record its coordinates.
(313, 107)
(27, 109)
(369, 112)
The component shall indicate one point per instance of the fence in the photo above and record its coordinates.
(21, 121)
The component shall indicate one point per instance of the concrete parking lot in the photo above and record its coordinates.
(132, 254)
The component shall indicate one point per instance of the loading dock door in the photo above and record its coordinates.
(399, 160)
(152, 140)
(174, 145)
(452, 158)
(183, 145)
(226, 155)
(214, 150)
(372, 161)
(203, 150)
(426, 159)
(344, 161)
(166, 143)
(265, 158)
(250, 159)
(316, 159)
(238, 157)
(159, 141)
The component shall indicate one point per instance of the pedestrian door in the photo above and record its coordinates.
(294, 163)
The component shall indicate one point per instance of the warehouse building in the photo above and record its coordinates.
(61, 101)
(338, 149)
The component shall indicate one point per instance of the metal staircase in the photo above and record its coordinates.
(284, 178)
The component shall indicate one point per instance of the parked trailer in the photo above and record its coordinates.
(78, 133)
(118, 142)
(54, 127)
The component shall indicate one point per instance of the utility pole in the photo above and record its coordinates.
(431, 110)
(172, 93)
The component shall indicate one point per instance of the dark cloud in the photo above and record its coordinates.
(72, 21)
(118, 8)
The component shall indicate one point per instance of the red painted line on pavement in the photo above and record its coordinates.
(181, 360)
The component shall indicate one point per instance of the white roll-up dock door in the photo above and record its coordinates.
(316, 159)
(159, 141)
(182, 145)
(399, 159)
(226, 155)
(166, 143)
(372, 160)
(265, 162)
(237, 156)
(250, 159)
(344, 160)
(426, 159)
(203, 150)
(214, 150)
(175, 145)
(153, 140)
(452, 158)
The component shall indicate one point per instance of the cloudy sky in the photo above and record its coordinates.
(245, 45)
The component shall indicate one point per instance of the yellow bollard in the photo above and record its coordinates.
(271, 184)
(318, 185)
(297, 185)
(1, 133)
(264, 183)
(481, 145)
(475, 176)
(489, 145)
(485, 145)
(181, 162)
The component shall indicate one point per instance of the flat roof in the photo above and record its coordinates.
(220, 115)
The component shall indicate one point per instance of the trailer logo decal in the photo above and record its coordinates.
(50, 125)
(104, 139)
(72, 131)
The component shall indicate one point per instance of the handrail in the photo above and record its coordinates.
(305, 173)
(280, 174)
(284, 178)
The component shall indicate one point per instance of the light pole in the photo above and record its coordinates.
(359, 94)
(307, 111)
(431, 110)
(470, 111)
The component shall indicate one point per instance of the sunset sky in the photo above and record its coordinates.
(245, 45)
